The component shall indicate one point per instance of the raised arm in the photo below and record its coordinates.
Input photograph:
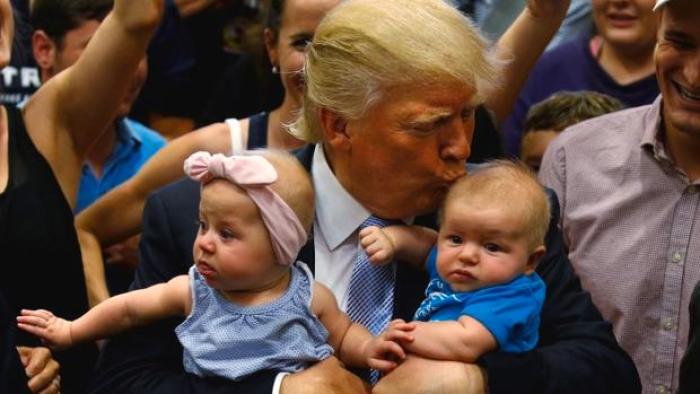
(68, 114)
(113, 316)
(520, 47)
(405, 243)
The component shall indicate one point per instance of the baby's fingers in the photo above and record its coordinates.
(385, 366)
(368, 231)
(42, 313)
(398, 335)
(32, 329)
(34, 321)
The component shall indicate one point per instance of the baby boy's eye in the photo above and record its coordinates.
(492, 247)
(455, 239)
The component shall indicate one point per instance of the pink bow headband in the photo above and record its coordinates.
(254, 174)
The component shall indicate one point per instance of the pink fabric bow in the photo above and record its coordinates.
(254, 173)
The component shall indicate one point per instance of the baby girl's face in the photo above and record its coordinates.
(232, 250)
(479, 247)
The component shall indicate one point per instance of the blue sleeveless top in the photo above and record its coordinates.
(231, 341)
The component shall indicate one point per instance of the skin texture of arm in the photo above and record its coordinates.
(111, 317)
(520, 47)
(356, 346)
(410, 244)
(464, 340)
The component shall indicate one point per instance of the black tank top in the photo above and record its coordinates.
(41, 265)
(257, 131)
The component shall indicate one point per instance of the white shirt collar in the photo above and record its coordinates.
(338, 214)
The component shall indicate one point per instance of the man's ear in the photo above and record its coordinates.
(534, 257)
(44, 51)
(335, 129)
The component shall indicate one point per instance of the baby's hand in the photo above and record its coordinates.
(382, 351)
(53, 331)
(377, 245)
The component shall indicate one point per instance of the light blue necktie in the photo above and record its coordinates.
(371, 291)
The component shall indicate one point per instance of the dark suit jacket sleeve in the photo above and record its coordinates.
(577, 352)
(149, 359)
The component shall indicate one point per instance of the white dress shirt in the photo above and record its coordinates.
(338, 217)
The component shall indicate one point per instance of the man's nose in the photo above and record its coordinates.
(456, 145)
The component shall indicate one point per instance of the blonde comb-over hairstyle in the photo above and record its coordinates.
(509, 186)
(364, 48)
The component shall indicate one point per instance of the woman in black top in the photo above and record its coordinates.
(42, 148)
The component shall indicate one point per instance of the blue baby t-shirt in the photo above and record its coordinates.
(510, 311)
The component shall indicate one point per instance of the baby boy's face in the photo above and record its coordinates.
(479, 247)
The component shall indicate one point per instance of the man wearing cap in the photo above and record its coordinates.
(629, 188)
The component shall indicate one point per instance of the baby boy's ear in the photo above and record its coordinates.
(535, 257)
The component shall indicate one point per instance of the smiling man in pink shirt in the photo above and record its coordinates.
(629, 188)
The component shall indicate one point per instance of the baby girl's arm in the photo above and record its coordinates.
(111, 316)
(464, 340)
(406, 243)
(354, 345)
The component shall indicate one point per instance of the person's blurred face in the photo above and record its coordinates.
(298, 24)
(678, 65)
(7, 29)
(400, 158)
(627, 23)
(534, 144)
(74, 43)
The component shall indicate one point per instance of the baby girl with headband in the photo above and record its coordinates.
(249, 305)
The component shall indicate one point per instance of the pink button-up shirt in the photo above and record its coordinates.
(631, 220)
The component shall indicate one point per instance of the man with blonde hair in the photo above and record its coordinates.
(629, 187)
(393, 114)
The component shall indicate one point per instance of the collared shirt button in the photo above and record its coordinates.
(677, 257)
(661, 389)
(667, 324)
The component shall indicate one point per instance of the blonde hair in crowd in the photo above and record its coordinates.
(293, 184)
(509, 186)
(363, 48)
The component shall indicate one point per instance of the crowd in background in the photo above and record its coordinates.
(104, 100)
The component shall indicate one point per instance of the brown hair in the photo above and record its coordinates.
(565, 109)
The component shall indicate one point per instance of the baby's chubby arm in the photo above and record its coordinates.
(354, 345)
(406, 243)
(464, 340)
(111, 316)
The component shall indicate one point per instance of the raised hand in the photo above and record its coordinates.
(377, 245)
(383, 351)
(53, 331)
(548, 8)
